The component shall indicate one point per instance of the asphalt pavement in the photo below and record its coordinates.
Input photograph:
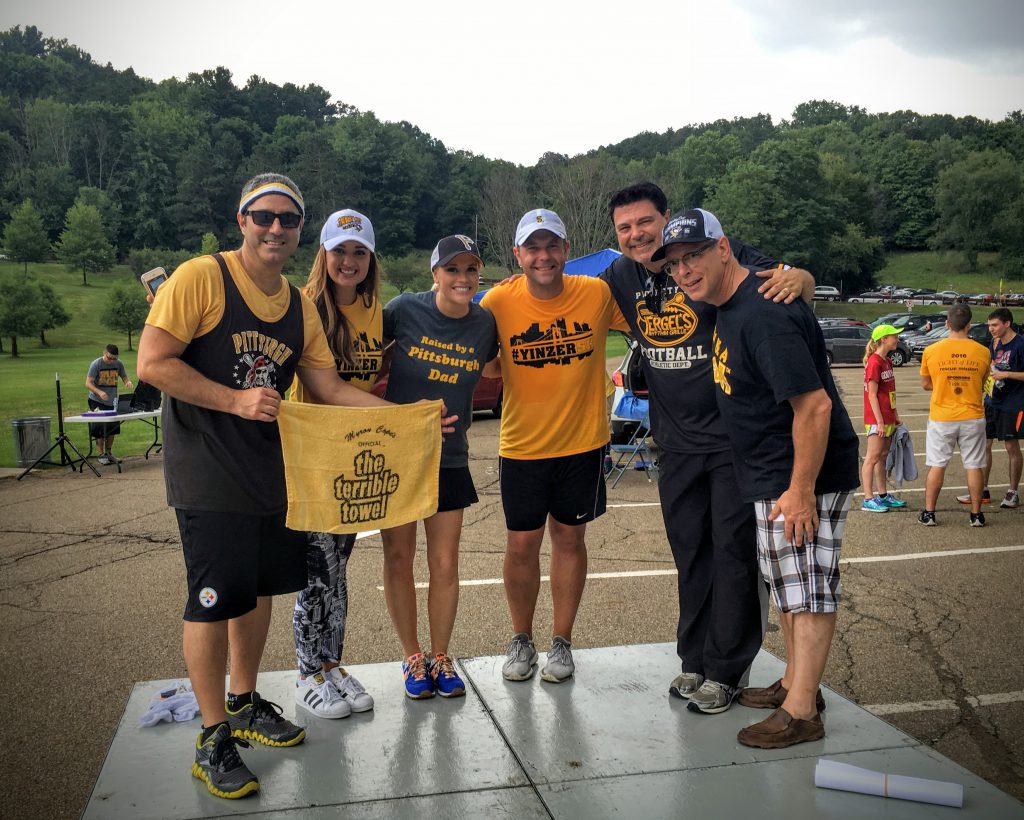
(92, 587)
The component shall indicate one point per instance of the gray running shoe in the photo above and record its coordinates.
(261, 721)
(684, 685)
(1011, 500)
(520, 658)
(220, 767)
(559, 666)
(104, 459)
(712, 697)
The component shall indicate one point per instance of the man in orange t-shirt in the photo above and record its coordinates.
(954, 370)
(551, 331)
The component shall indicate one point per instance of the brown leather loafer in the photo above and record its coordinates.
(771, 697)
(780, 729)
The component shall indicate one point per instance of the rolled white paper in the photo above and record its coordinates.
(829, 774)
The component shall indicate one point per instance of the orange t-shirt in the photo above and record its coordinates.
(553, 365)
(958, 369)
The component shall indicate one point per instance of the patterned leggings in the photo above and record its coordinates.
(321, 608)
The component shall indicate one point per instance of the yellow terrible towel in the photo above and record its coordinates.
(350, 469)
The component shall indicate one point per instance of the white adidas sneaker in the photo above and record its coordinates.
(351, 689)
(317, 693)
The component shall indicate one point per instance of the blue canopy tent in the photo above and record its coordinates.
(590, 265)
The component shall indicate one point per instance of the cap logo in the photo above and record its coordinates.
(540, 218)
(688, 220)
(350, 223)
(674, 232)
(465, 240)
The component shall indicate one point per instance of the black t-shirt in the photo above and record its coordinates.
(674, 334)
(438, 357)
(763, 355)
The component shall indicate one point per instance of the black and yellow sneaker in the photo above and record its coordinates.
(220, 767)
(261, 720)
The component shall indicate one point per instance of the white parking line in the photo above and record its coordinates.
(945, 705)
(652, 573)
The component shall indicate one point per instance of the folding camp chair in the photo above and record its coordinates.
(636, 451)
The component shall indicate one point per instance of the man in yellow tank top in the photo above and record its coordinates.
(954, 370)
(551, 330)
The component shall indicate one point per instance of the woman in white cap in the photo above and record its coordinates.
(344, 284)
(442, 340)
(880, 418)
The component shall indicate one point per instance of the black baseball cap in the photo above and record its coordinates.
(689, 227)
(450, 247)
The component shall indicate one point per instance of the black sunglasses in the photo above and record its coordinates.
(288, 219)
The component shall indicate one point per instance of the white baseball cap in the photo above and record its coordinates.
(344, 225)
(539, 219)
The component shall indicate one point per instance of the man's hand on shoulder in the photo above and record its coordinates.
(786, 284)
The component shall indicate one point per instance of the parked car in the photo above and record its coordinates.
(887, 319)
(827, 293)
(978, 332)
(869, 296)
(840, 320)
(845, 345)
(948, 296)
(488, 395)
(916, 321)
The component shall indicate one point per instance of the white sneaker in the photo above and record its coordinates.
(350, 689)
(317, 694)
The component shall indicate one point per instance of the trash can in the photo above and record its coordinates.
(31, 438)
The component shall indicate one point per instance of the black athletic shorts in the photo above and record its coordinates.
(570, 488)
(233, 559)
(1003, 425)
(97, 430)
(455, 489)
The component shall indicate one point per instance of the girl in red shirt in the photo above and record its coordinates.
(880, 418)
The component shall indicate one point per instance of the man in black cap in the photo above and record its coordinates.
(722, 605)
(795, 455)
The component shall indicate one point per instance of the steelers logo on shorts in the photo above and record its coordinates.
(208, 596)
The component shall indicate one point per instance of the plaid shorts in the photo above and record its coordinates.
(804, 579)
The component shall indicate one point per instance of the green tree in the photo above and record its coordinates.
(408, 272)
(125, 311)
(853, 259)
(109, 210)
(22, 310)
(56, 313)
(83, 244)
(25, 238)
(969, 196)
(209, 245)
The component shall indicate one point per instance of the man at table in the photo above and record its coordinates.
(101, 382)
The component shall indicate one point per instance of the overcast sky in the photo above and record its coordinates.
(513, 80)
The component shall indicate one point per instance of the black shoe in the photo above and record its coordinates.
(927, 518)
(220, 767)
(261, 721)
(978, 519)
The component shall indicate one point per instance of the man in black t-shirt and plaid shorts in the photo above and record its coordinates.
(795, 454)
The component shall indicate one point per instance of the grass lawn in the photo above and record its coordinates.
(945, 271)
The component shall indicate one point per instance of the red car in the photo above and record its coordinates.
(487, 396)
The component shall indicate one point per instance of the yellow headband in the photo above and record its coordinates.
(271, 188)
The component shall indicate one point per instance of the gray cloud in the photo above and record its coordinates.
(985, 33)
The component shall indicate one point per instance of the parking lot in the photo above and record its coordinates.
(929, 635)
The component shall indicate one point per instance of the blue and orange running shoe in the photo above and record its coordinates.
(447, 682)
(418, 682)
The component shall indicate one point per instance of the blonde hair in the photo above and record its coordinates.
(872, 347)
(320, 288)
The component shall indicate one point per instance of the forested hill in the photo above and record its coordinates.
(833, 188)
